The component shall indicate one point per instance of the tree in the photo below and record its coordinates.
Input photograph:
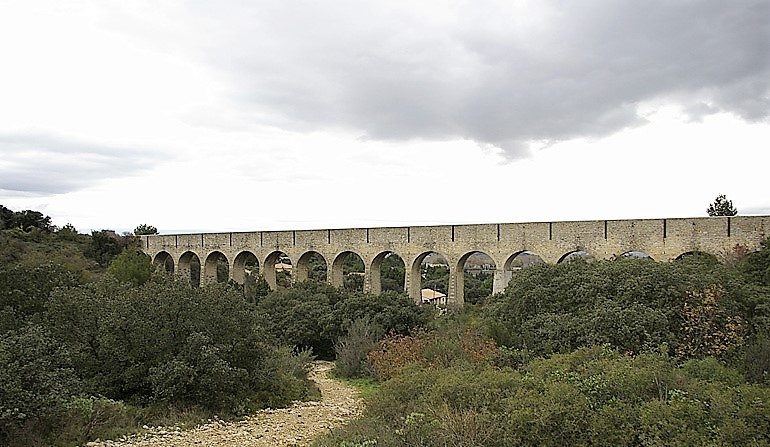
(131, 266)
(29, 219)
(6, 218)
(722, 207)
(145, 229)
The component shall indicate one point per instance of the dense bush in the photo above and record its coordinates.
(167, 342)
(593, 396)
(36, 378)
(315, 315)
(24, 291)
(698, 308)
(131, 266)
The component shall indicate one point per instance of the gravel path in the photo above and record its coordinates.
(297, 425)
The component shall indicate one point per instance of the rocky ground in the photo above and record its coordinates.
(297, 425)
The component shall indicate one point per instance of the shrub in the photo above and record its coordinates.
(592, 396)
(167, 342)
(36, 378)
(131, 266)
(352, 350)
(697, 308)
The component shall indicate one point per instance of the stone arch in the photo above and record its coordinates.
(216, 269)
(576, 254)
(517, 261)
(163, 260)
(415, 275)
(459, 275)
(309, 268)
(635, 254)
(190, 268)
(245, 264)
(278, 270)
(386, 260)
(344, 268)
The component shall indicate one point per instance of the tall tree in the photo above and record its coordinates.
(145, 229)
(722, 207)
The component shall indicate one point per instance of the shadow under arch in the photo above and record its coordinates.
(216, 269)
(462, 274)
(312, 266)
(575, 255)
(387, 272)
(697, 255)
(165, 261)
(190, 268)
(245, 265)
(278, 270)
(348, 271)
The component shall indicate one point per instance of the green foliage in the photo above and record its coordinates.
(105, 245)
(131, 266)
(392, 273)
(435, 277)
(36, 378)
(24, 292)
(167, 342)
(477, 287)
(145, 229)
(633, 305)
(314, 315)
(756, 266)
(24, 220)
(722, 207)
(593, 396)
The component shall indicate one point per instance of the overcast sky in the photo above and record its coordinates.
(250, 115)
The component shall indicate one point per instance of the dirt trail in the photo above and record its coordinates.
(297, 425)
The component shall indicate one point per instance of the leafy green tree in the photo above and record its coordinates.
(105, 245)
(131, 266)
(144, 229)
(722, 207)
(29, 219)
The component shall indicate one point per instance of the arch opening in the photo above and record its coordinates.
(478, 275)
(312, 266)
(216, 268)
(431, 272)
(278, 270)
(388, 272)
(349, 272)
(576, 255)
(164, 262)
(522, 260)
(245, 267)
(190, 268)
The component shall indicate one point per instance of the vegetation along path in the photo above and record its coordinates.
(297, 425)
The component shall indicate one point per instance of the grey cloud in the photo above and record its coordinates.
(35, 163)
(485, 70)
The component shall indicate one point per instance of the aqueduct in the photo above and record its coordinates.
(661, 239)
